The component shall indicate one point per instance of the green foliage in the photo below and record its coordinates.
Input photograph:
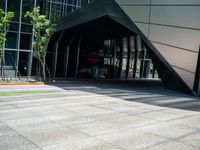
(43, 30)
(5, 19)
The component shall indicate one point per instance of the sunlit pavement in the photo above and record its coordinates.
(98, 117)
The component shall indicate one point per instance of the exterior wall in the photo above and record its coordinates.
(173, 26)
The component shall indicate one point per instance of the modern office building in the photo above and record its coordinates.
(112, 39)
(18, 47)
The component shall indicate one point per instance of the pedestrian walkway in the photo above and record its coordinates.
(98, 117)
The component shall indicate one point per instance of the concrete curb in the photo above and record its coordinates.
(50, 83)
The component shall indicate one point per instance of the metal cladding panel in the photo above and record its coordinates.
(188, 77)
(111, 10)
(184, 59)
(184, 62)
(179, 37)
(133, 2)
(176, 2)
(137, 13)
(144, 28)
(181, 16)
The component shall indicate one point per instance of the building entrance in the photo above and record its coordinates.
(124, 58)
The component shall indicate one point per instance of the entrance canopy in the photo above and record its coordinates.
(104, 19)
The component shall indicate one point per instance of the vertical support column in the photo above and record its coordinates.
(136, 55)
(121, 56)
(77, 59)
(154, 72)
(44, 7)
(56, 55)
(19, 36)
(143, 61)
(77, 4)
(50, 7)
(150, 9)
(128, 57)
(66, 60)
(113, 60)
(31, 53)
(196, 87)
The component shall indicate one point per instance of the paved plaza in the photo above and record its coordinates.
(98, 117)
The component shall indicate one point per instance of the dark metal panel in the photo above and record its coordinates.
(197, 76)
(129, 55)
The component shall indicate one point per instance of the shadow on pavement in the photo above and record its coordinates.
(148, 92)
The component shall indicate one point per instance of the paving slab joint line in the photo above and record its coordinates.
(168, 139)
(66, 126)
(22, 135)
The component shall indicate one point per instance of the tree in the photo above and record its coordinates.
(42, 30)
(5, 18)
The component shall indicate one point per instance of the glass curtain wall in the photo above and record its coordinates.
(144, 65)
(18, 47)
(130, 59)
(124, 58)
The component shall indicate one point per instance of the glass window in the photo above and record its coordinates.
(23, 63)
(26, 28)
(27, 6)
(10, 63)
(10, 58)
(69, 9)
(2, 4)
(55, 12)
(11, 41)
(132, 57)
(14, 26)
(14, 6)
(25, 41)
(145, 68)
(116, 59)
(124, 57)
(71, 2)
(84, 2)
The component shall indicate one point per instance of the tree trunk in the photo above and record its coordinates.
(2, 67)
(1, 62)
(43, 70)
(49, 74)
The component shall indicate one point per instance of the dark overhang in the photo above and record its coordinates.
(105, 19)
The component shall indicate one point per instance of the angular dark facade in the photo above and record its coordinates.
(103, 20)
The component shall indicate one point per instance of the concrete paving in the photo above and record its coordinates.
(98, 117)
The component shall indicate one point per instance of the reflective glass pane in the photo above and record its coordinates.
(2, 4)
(11, 41)
(14, 6)
(10, 63)
(25, 41)
(10, 58)
(26, 28)
(55, 12)
(14, 26)
(124, 57)
(27, 6)
(23, 63)
(132, 57)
